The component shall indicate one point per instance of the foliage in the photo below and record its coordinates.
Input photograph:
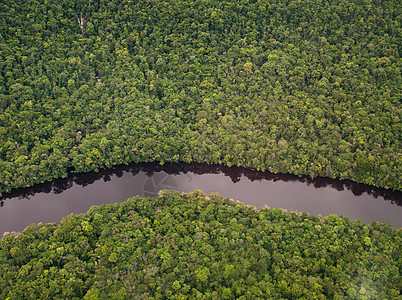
(193, 246)
(302, 87)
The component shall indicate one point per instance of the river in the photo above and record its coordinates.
(49, 202)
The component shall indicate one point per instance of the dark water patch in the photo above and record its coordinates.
(235, 173)
(49, 202)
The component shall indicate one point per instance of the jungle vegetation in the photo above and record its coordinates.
(192, 246)
(304, 87)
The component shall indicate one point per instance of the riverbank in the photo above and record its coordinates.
(193, 245)
(275, 90)
(50, 202)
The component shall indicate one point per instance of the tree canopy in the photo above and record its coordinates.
(187, 246)
(302, 87)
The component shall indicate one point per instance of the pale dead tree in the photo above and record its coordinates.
(83, 23)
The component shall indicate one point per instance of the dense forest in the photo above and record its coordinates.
(288, 86)
(304, 87)
(193, 246)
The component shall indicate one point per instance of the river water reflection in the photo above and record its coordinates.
(50, 202)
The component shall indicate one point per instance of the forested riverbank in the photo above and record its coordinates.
(191, 245)
(308, 88)
(51, 201)
(303, 87)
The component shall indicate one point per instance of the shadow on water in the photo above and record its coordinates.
(235, 173)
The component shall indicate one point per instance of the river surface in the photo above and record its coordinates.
(49, 202)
